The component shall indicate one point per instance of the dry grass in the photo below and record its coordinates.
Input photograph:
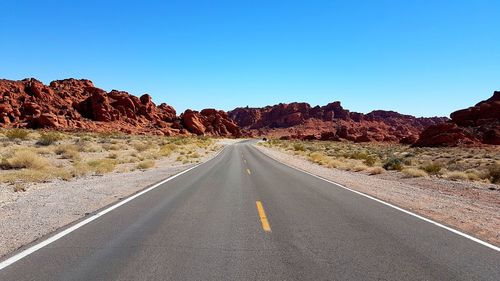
(473, 164)
(17, 134)
(456, 175)
(28, 156)
(49, 138)
(414, 173)
(375, 170)
(101, 166)
(68, 151)
(25, 159)
(146, 164)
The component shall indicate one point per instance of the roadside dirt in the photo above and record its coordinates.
(473, 208)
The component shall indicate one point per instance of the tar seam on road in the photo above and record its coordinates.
(67, 231)
(477, 240)
(263, 217)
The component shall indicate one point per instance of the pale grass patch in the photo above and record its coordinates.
(146, 164)
(414, 173)
(375, 170)
(359, 168)
(456, 175)
(25, 159)
(17, 134)
(102, 166)
(68, 151)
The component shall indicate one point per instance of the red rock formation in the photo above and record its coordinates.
(211, 122)
(73, 104)
(475, 125)
(331, 122)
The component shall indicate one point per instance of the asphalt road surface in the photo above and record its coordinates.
(244, 216)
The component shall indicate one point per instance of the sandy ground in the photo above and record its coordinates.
(473, 208)
(46, 207)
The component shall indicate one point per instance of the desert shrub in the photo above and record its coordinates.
(113, 156)
(375, 170)
(25, 159)
(494, 173)
(299, 147)
(359, 168)
(102, 166)
(194, 155)
(49, 138)
(432, 168)
(318, 158)
(167, 149)
(370, 160)
(473, 175)
(335, 163)
(414, 173)
(43, 150)
(146, 164)
(112, 147)
(17, 134)
(456, 175)
(393, 164)
(68, 151)
(142, 146)
(79, 169)
(19, 187)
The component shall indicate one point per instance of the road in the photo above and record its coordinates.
(244, 216)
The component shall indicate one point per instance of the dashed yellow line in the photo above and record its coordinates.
(263, 217)
(248, 172)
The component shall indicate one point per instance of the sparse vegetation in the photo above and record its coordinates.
(471, 164)
(146, 164)
(37, 156)
(494, 173)
(393, 164)
(25, 159)
(432, 168)
(49, 138)
(17, 134)
(102, 166)
(414, 173)
(375, 170)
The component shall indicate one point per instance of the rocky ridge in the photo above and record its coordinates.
(76, 104)
(331, 122)
(479, 124)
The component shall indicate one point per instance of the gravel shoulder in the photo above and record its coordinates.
(46, 207)
(473, 208)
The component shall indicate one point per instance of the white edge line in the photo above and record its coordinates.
(67, 231)
(393, 206)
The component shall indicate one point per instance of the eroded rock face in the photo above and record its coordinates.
(73, 104)
(210, 122)
(479, 124)
(331, 122)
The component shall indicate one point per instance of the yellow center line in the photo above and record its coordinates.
(248, 172)
(263, 217)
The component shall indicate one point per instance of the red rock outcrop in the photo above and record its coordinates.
(331, 122)
(210, 121)
(479, 124)
(73, 104)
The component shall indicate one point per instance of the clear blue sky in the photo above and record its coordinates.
(419, 57)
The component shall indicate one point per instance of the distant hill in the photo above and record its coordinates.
(331, 122)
